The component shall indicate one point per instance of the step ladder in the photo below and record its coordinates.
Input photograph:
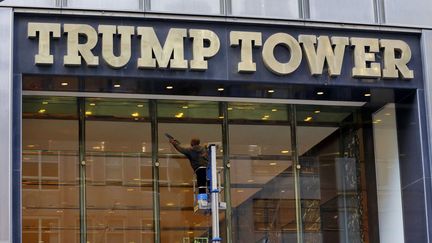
(215, 204)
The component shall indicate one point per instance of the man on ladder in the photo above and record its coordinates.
(198, 159)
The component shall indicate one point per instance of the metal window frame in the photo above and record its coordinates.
(8, 191)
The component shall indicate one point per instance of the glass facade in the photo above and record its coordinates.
(131, 5)
(296, 172)
(206, 7)
(384, 12)
(408, 13)
(353, 11)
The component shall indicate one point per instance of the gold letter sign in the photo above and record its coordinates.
(44, 29)
(373, 58)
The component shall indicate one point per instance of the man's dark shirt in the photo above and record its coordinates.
(197, 155)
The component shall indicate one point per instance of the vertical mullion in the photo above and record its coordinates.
(82, 170)
(155, 170)
(147, 5)
(227, 173)
(296, 170)
(223, 7)
(40, 169)
(304, 12)
(379, 11)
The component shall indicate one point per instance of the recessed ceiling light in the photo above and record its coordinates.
(320, 93)
(220, 89)
(92, 104)
(64, 84)
(45, 103)
(169, 87)
(190, 232)
(273, 163)
(316, 112)
(274, 110)
(309, 118)
(88, 113)
(135, 114)
(185, 107)
(387, 114)
(250, 181)
(270, 91)
(41, 111)
(140, 106)
(130, 190)
(170, 204)
(240, 191)
(367, 94)
(116, 85)
(285, 151)
(230, 108)
(221, 117)
(266, 116)
(179, 115)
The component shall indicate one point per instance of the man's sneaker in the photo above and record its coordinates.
(202, 200)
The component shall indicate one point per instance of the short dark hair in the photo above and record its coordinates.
(195, 141)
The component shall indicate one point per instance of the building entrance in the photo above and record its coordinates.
(102, 169)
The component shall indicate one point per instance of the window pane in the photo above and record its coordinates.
(332, 174)
(27, 3)
(389, 196)
(105, 4)
(187, 6)
(262, 180)
(266, 8)
(119, 170)
(50, 170)
(415, 12)
(353, 10)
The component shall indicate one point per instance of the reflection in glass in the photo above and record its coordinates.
(332, 175)
(262, 182)
(50, 207)
(389, 193)
(119, 171)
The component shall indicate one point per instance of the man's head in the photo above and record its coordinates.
(195, 141)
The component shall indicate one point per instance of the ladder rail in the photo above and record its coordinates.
(214, 196)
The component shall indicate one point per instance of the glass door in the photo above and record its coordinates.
(119, 184)
(262, 178)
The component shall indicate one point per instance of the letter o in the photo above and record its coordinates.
(268, 54)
